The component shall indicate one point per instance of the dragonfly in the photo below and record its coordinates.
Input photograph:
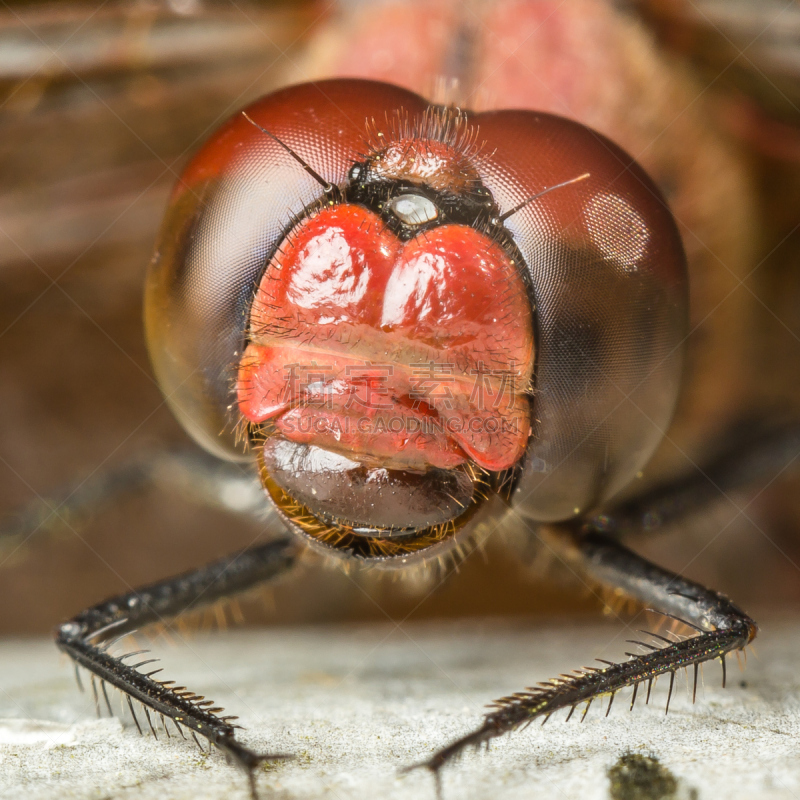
(472, 47)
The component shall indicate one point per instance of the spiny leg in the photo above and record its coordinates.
(720, 628)
(87, 638)
(752, 456)
(752, 453)
(188, 472)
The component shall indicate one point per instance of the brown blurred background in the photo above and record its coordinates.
(99, 108)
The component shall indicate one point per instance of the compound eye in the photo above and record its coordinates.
(413, 209)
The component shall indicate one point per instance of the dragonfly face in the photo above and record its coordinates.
(331, 261)
(585, 60)
(405, 320)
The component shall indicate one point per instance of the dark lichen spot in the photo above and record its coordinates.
(639, 777)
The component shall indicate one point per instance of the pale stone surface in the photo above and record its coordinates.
(355, 704)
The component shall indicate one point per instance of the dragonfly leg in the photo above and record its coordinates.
(719, 628)
(754, 455)
(87, 638)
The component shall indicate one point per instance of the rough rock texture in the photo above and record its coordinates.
(356, 703)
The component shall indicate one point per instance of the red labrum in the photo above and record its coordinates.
(406, 354)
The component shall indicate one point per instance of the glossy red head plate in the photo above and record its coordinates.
(367, 295)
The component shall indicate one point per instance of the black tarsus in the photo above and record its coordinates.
(82, 639)
(721, 628)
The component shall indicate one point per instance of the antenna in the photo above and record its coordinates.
(328, 187)
(504, 217)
